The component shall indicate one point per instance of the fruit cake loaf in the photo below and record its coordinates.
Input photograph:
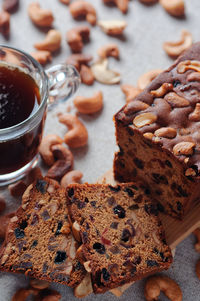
(38, 241)
(158, 134)
(122, 237)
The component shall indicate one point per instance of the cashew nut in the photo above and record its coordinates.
(78, 59)
(64, 162)
(198, 269)
(45, 148)
(145, 79)
(51, 42)
(175, 8)
(2, 204)
(197, 234)
(76, 37)
(148, 1)
(130, 92)
(84, 288)
(81, 8)
(174, 49)
(65, 1)
(89, 105)
(104, 75)
(87, 76)
(42, 56)
(113, 27)
(77, 134)
(4, 23)
(108, 50)
(10, 5)
(155, 284)
(17, 189)
(121, 4)
(22, 294)
(71, 177)
(39, 284)
(40, 17)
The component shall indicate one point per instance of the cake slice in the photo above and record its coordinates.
(158, 134)
(38, 241)
(122, 237)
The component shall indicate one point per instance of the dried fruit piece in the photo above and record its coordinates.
(144, 119)
(184, 148)
(103, 74)
(113, 27)
(166, 132)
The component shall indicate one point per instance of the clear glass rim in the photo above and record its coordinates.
(45, 85)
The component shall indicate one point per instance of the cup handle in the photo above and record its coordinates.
(64, 81)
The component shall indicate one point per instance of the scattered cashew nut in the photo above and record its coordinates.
(81, 8)
(84, 288)
(4, 23)
(108, 50)
(104, 75)
(45, 148)
(145, 79)
(22, 294)
(175, 8)
(51, 42)
(2, 204)
(113, 27)
(65, 1)
(121, 4)
(40, 17)
(148, 1)
(17, 189)
(87, 76)
(76, 36)
(10, 5)
(64, 162)
(130, 92)
(78, 59)
(77, 134)
(89, 105)
(155, 284)
(71, 177)
(39, 284)
(198, 269)
(174, 49)
(48, 295)
(197, 234)
(42, 56)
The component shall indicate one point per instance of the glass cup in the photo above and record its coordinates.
(19, 143)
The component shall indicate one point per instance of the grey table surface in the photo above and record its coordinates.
(140, 51)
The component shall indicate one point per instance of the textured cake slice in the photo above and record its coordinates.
(122, 237)
(39, 242)
(158, 134)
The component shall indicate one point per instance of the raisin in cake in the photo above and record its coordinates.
(122, 237)
(38, 241)
(158, 134)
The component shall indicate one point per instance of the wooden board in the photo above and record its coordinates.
(175, 230)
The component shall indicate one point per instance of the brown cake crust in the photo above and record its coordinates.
(158, 134)
(122, 237)
(38, 241)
